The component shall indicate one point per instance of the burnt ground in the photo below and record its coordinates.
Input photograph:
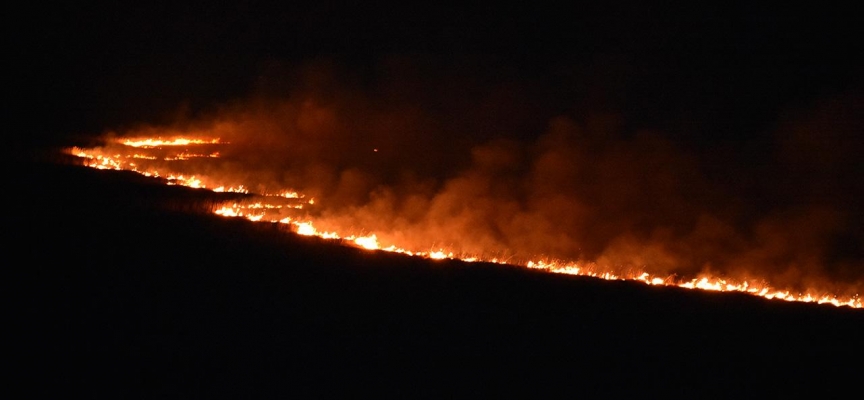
(130, 289)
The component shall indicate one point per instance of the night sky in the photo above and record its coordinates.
(704, 74)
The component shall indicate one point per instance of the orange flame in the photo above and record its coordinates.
(159, 142)
(259, 210)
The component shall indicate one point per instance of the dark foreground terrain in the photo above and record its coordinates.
(129, 290)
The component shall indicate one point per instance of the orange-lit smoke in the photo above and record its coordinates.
(420, 168)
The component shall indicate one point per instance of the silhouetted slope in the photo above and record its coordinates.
(132, 289)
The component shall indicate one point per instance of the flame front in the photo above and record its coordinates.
(154, 157)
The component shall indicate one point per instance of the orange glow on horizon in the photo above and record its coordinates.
(159, 142)
(271, 207)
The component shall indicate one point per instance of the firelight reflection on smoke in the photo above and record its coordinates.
(159, 157)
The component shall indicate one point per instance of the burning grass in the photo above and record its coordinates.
(288, 207)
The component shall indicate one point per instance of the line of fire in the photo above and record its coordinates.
(164, 158)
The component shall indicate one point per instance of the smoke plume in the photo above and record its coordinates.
(484, 161)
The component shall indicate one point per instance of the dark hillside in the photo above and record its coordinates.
(128, 294)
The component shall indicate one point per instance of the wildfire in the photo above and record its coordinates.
(272, 206)
(159, 142)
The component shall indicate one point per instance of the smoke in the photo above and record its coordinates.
(477, 160)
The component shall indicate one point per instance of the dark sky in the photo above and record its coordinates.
(696, 71)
